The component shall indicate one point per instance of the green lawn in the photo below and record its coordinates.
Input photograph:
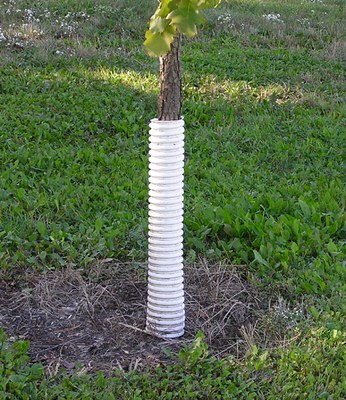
(265, 172)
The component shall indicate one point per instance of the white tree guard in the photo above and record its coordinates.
(165, 306)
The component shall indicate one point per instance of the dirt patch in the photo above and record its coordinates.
(96, 321)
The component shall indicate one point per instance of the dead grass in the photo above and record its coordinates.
(96, 321)
(336, 51)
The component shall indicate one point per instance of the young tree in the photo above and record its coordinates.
(163, 39)
(165, 308)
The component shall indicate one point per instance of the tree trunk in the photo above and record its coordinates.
(170, 98)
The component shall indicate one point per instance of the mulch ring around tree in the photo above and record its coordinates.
(96, 320)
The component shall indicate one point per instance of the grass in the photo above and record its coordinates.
(265, 167)
(302, 372)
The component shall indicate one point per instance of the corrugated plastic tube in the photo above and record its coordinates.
(165, 305)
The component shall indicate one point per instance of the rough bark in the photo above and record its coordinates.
(170, 97)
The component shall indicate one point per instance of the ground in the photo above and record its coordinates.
(96, 320)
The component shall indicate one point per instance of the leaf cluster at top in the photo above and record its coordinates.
(171, 17)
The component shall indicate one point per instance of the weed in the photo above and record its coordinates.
(18, 379)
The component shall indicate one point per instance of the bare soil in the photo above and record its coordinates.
(96, 320)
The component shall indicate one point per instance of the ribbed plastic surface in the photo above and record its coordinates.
(165, 307)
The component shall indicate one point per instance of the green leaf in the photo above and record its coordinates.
(36, 371)
(332, 248)
(294, 248)
(186, 19)
(158, 44)
(158, 25)
(228, 229)
(172, 16)
(260, 259)
(165, 7)
(305, 208)
(236, 244)
(98, 225)
(41, 227)
(18, 378)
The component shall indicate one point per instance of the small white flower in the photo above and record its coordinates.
(272, 17)
(304, 22)
(2, 36)
(46, 13)
(226, 21)
(59, 53)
